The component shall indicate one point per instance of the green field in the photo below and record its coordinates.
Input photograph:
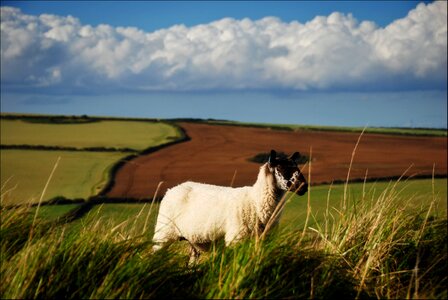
(52, 212)
(415, 195)
(110, 134)
(378, 248)
(378, 130)
(78, 175)
(379, 240)
(126, 219)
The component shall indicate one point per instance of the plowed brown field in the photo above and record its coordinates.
(215, 154)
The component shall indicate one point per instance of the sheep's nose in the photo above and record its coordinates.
(303, 189)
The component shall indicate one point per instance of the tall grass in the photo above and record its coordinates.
(370, 246)
(379, 252)
(97, 261)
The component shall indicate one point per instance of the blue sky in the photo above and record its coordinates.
(326, 62)
(153, 15)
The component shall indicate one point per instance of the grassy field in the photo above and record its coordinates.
(379, 130)
(114, 134)
(374, 249)
(78, 174)
(52, 212)
(415, 195)
(378, 240)
(125, 219)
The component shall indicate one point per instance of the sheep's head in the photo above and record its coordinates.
(287, 173)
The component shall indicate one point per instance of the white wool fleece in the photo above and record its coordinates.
(202, 213)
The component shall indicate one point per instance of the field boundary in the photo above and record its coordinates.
(133, 154)
(85, 206)
(118, 165)
(106, 199)
(66, 119)
(61, 148)
(419, 132)
(103, 199)
(128, 153)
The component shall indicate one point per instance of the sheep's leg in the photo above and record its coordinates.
(162, 237)
(194, 255)
(196, 250)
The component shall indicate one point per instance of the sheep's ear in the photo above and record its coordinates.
(272, 157)
(295, 157)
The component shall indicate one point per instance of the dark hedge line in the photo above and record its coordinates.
(62, 200)
(62, 148)
(83, 208)
(230, 123)
(63, 119)
(56, 119)
(383, 179)
(86, 206)
(58, 200)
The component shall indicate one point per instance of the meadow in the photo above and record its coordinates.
(376, 247)
(378, 130)
(382, 239)
(108, 134)
(412, 193)
(80, 174)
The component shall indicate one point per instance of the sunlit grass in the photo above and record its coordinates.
(413, 197)
(378, 250)
(109, 134)
(354, 241)
(378, 130)
(79, 174)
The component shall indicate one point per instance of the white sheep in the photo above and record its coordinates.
(203, 213)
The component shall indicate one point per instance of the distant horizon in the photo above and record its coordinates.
(424, 109)
(180, 119)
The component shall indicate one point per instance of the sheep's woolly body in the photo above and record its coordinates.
(202, 213)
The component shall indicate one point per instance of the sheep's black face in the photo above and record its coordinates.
(287, 173)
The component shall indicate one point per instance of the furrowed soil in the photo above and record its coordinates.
(219, 155)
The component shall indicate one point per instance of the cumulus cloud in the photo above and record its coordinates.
(334, 52)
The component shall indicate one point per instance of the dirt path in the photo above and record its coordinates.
(216, 153)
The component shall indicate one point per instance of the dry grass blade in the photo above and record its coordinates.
(308, 205)
(350, 168)
(43, 194)
(233, 178)
(151, 206)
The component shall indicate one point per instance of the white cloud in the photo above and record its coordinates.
(333, 52)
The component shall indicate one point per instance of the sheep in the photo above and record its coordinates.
(202, 213)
